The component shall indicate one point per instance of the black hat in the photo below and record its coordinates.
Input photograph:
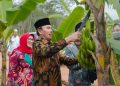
(41, 22)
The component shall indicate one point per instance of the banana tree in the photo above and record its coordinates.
(4, 4)
(102, 50)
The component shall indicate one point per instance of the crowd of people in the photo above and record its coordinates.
(36, 62)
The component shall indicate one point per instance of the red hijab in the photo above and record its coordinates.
(23, 43)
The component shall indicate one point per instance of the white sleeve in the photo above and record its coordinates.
(18, 40)
(9, 47)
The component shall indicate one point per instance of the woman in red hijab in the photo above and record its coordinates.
(20, 63)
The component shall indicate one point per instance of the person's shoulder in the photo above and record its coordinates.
(36, 43)
(17, 36)
(15, 53)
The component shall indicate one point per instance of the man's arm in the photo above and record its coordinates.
(68, 61)
(48, 50)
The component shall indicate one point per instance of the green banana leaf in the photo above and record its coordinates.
(65, 6)
(68, 24)
(4, 5)
(7, 33)
(115, 45)
(2, 28)
(15, 15)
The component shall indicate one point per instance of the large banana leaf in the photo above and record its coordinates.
(4, 5)
(16, 15)
(2, 28)
(116, 5)
(7, 33)
(68, 24)
(65, 6)
(114, 45)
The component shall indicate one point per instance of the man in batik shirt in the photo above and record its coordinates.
(46, 56)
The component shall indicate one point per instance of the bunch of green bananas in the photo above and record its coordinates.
(87, 44)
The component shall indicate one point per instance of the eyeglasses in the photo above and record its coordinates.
(31, 39)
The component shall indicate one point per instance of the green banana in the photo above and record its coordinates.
(87, 44)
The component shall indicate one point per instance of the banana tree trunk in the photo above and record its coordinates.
(102, 51)
(3, 79)
(103, 55)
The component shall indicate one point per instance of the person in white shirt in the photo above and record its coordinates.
(13, 42)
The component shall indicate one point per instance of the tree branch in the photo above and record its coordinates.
(101, 14)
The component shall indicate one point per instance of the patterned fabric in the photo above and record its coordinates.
(20, 61)
(20, 72)
(47, 61)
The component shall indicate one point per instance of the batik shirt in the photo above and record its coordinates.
(47, 61)
(20, 72)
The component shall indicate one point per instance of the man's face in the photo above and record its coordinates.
(45, 32)
(15, 33)
(116, 32)
(116, 28)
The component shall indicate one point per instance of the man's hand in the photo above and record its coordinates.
(73, 37)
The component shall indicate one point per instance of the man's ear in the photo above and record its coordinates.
(40, 31)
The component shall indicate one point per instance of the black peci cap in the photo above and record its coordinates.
(42, 22)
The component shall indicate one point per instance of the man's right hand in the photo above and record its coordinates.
(73, 37)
